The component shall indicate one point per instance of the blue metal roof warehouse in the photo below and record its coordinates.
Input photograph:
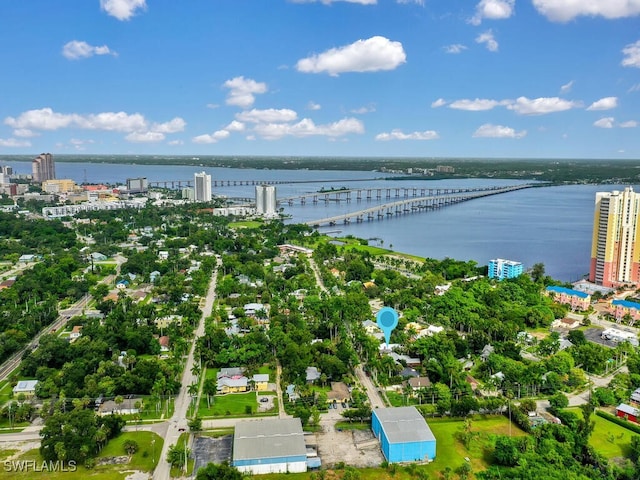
(404, 434)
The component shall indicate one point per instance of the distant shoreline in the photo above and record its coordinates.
(556, 171)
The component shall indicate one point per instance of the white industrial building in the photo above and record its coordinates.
(274, 445)
(266, 201)
(202, 187)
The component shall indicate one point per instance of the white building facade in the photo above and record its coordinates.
(202, 187)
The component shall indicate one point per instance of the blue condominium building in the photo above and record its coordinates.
(500, 268)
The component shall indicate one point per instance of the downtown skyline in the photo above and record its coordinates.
(488, 78)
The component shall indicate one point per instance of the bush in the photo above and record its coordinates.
(558, 401)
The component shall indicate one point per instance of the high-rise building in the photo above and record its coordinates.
(266, 201)
(202, 187)
(615, 249)
(43, 168)
(137, 185)
(500, 268)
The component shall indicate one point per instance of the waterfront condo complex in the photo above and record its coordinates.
(615, 253)
(500, 268)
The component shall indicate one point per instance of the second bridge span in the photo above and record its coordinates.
(411, 205)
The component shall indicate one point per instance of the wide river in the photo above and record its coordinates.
(552, 225)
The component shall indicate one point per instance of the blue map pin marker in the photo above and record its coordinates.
(387, 319)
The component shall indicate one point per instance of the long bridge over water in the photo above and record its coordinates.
(241, 183)
(437, 198)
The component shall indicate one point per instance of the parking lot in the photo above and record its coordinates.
(266, 403)
(209, 449)
(595, 335)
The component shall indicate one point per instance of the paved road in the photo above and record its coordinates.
(179, 419)
(372, 392)
(14, 361)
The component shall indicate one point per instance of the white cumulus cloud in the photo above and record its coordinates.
(365, 109)
(14, 143)
(145, 137)
(313, 106)
(75, 50)
(215, 137)
(439, 103)
(497, 131)
(477, 105)
(270, 115)
(235, 126)
(135, 125)
(172, 126)
(565, 10)
(493, 10)
(629, 124)
(542, 105)
(397, 134)
(24, 133)
(606, 103)
(122, 9)
(174, 143)
(306, 128)
(454, 48)
(370, 55)
(631, 55)
(112, 121)
(605, 122)
(42, 119)
(243, 90)
(489, 41)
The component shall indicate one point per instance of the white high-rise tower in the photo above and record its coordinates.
(202, 187)
(266, 201)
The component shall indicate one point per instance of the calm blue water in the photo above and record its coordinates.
(550, 225)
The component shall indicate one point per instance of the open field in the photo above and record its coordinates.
(232, 404)
(117, 465)
(608, 438)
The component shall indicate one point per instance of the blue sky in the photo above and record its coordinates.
(427, 78)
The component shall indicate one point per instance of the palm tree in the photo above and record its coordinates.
(119, 399)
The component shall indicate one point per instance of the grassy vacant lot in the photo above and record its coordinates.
(247, 224)
(142, 460)
(233, 404)
(451, 452)
(608, 438)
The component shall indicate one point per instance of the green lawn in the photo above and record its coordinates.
(142, 460)
(247, 224)
(608, 438)
(233, 404)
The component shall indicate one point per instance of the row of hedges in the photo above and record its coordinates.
(619, 421)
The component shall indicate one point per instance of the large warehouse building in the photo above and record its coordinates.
(269, 446)
(404, 434)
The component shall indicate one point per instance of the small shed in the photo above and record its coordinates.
(628, 412)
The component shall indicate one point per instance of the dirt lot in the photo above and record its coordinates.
(355, 447)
